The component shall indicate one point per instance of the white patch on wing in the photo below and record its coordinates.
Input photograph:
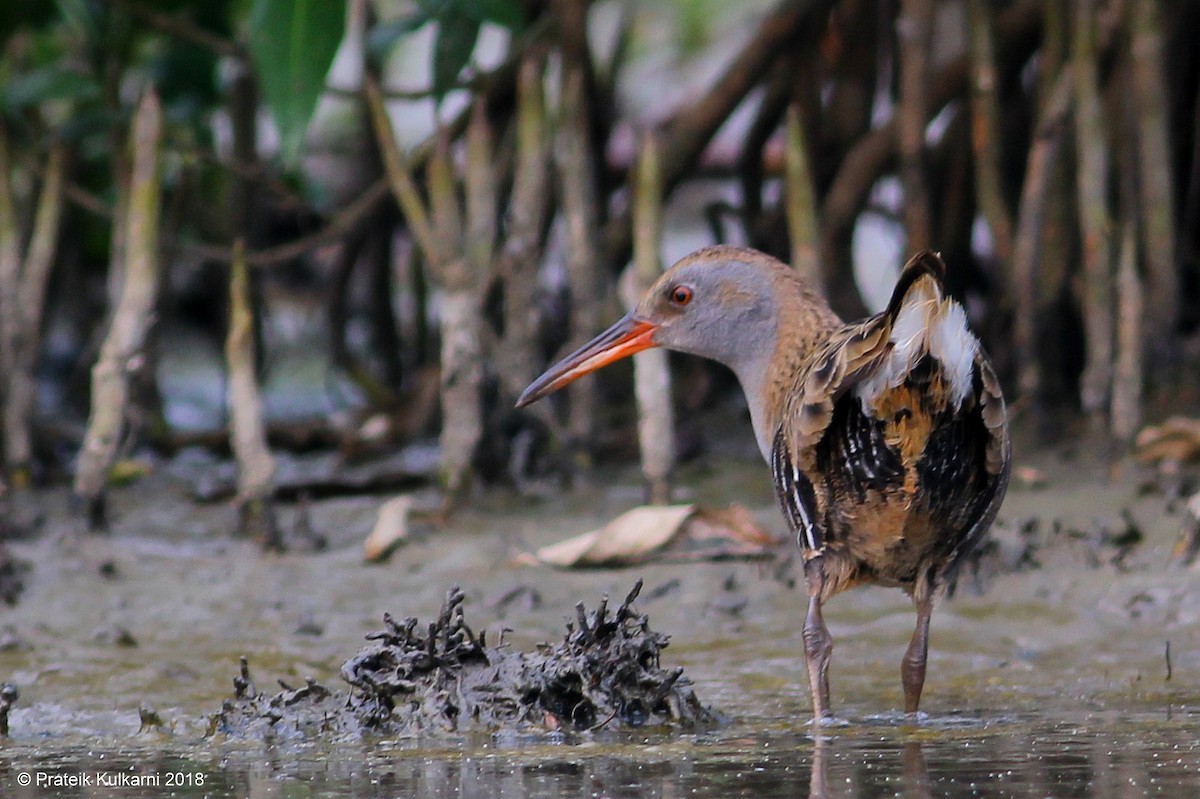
(908, 339)
(952, 343)
(908, 331)
(926, 323)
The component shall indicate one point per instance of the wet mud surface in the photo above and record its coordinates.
(1066, 664)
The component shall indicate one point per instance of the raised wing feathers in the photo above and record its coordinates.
(912, 438)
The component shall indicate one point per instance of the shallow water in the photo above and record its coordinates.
(1091, 755)
(1052, 682)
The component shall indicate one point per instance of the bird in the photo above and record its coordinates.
(887, 437)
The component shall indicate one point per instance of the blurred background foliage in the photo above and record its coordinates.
(1049, 148)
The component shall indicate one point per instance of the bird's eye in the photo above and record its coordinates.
(681, 295)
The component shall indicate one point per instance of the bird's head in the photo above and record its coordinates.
(720, 303)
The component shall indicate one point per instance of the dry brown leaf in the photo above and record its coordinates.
(391, 528)
(1029, 477)
(727, 532)
(1177, 439)
(626, 539)
(663, 532)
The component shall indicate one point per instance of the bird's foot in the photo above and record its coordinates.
(825, 722)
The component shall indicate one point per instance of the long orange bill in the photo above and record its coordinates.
(627, 336)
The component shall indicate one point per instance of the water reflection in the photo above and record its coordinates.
(914, 772)
(1107, 758)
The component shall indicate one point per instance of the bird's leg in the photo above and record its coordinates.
(818, 643)
(912, 667)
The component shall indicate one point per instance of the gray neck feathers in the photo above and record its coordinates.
(743, 337)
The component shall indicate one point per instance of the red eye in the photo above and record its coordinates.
(681, 295)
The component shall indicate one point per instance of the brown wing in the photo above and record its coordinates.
(853, 353)
(913, 444)
(992, 471)
(957, 469)
(843, 360)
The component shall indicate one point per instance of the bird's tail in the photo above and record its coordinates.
(925, 271)
(922, 321)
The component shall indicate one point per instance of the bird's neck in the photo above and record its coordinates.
(771, 372)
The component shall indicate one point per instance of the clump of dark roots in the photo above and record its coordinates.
(444, 677)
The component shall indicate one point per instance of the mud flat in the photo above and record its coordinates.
(1050, 663)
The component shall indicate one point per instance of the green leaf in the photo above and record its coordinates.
(16, 15)
(452, 49)
(383, 36)
(508, 13)
(294, 42)
(48, 83)
(434, 9)
(89, 127)
(81, 17)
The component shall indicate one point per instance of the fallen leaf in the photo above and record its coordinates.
(391, 528)
(1175, 440)
(733, 524)
(626, 539)
(1029, 477)
(128, 470)
(662, 532)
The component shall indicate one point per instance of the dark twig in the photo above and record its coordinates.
(243, 686)
(181, 28)
(625, 611)
(8, 697)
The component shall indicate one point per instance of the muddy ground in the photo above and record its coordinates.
(1072, 636)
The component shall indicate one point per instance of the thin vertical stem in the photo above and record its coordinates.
(1127, 377)
(651, 369)
(915, 28)
(461, 357)
(408, 197)
(584, 276)
(1095, 224)
(10, 256)
(39, 259)
(1156, 193)
(20, 376)
(750, 167)
(482, 201)
(247, 431)
(803, 225)
(519, 256)
(1034, 200)
(446, 260)
(985, 129)
(131, 320)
